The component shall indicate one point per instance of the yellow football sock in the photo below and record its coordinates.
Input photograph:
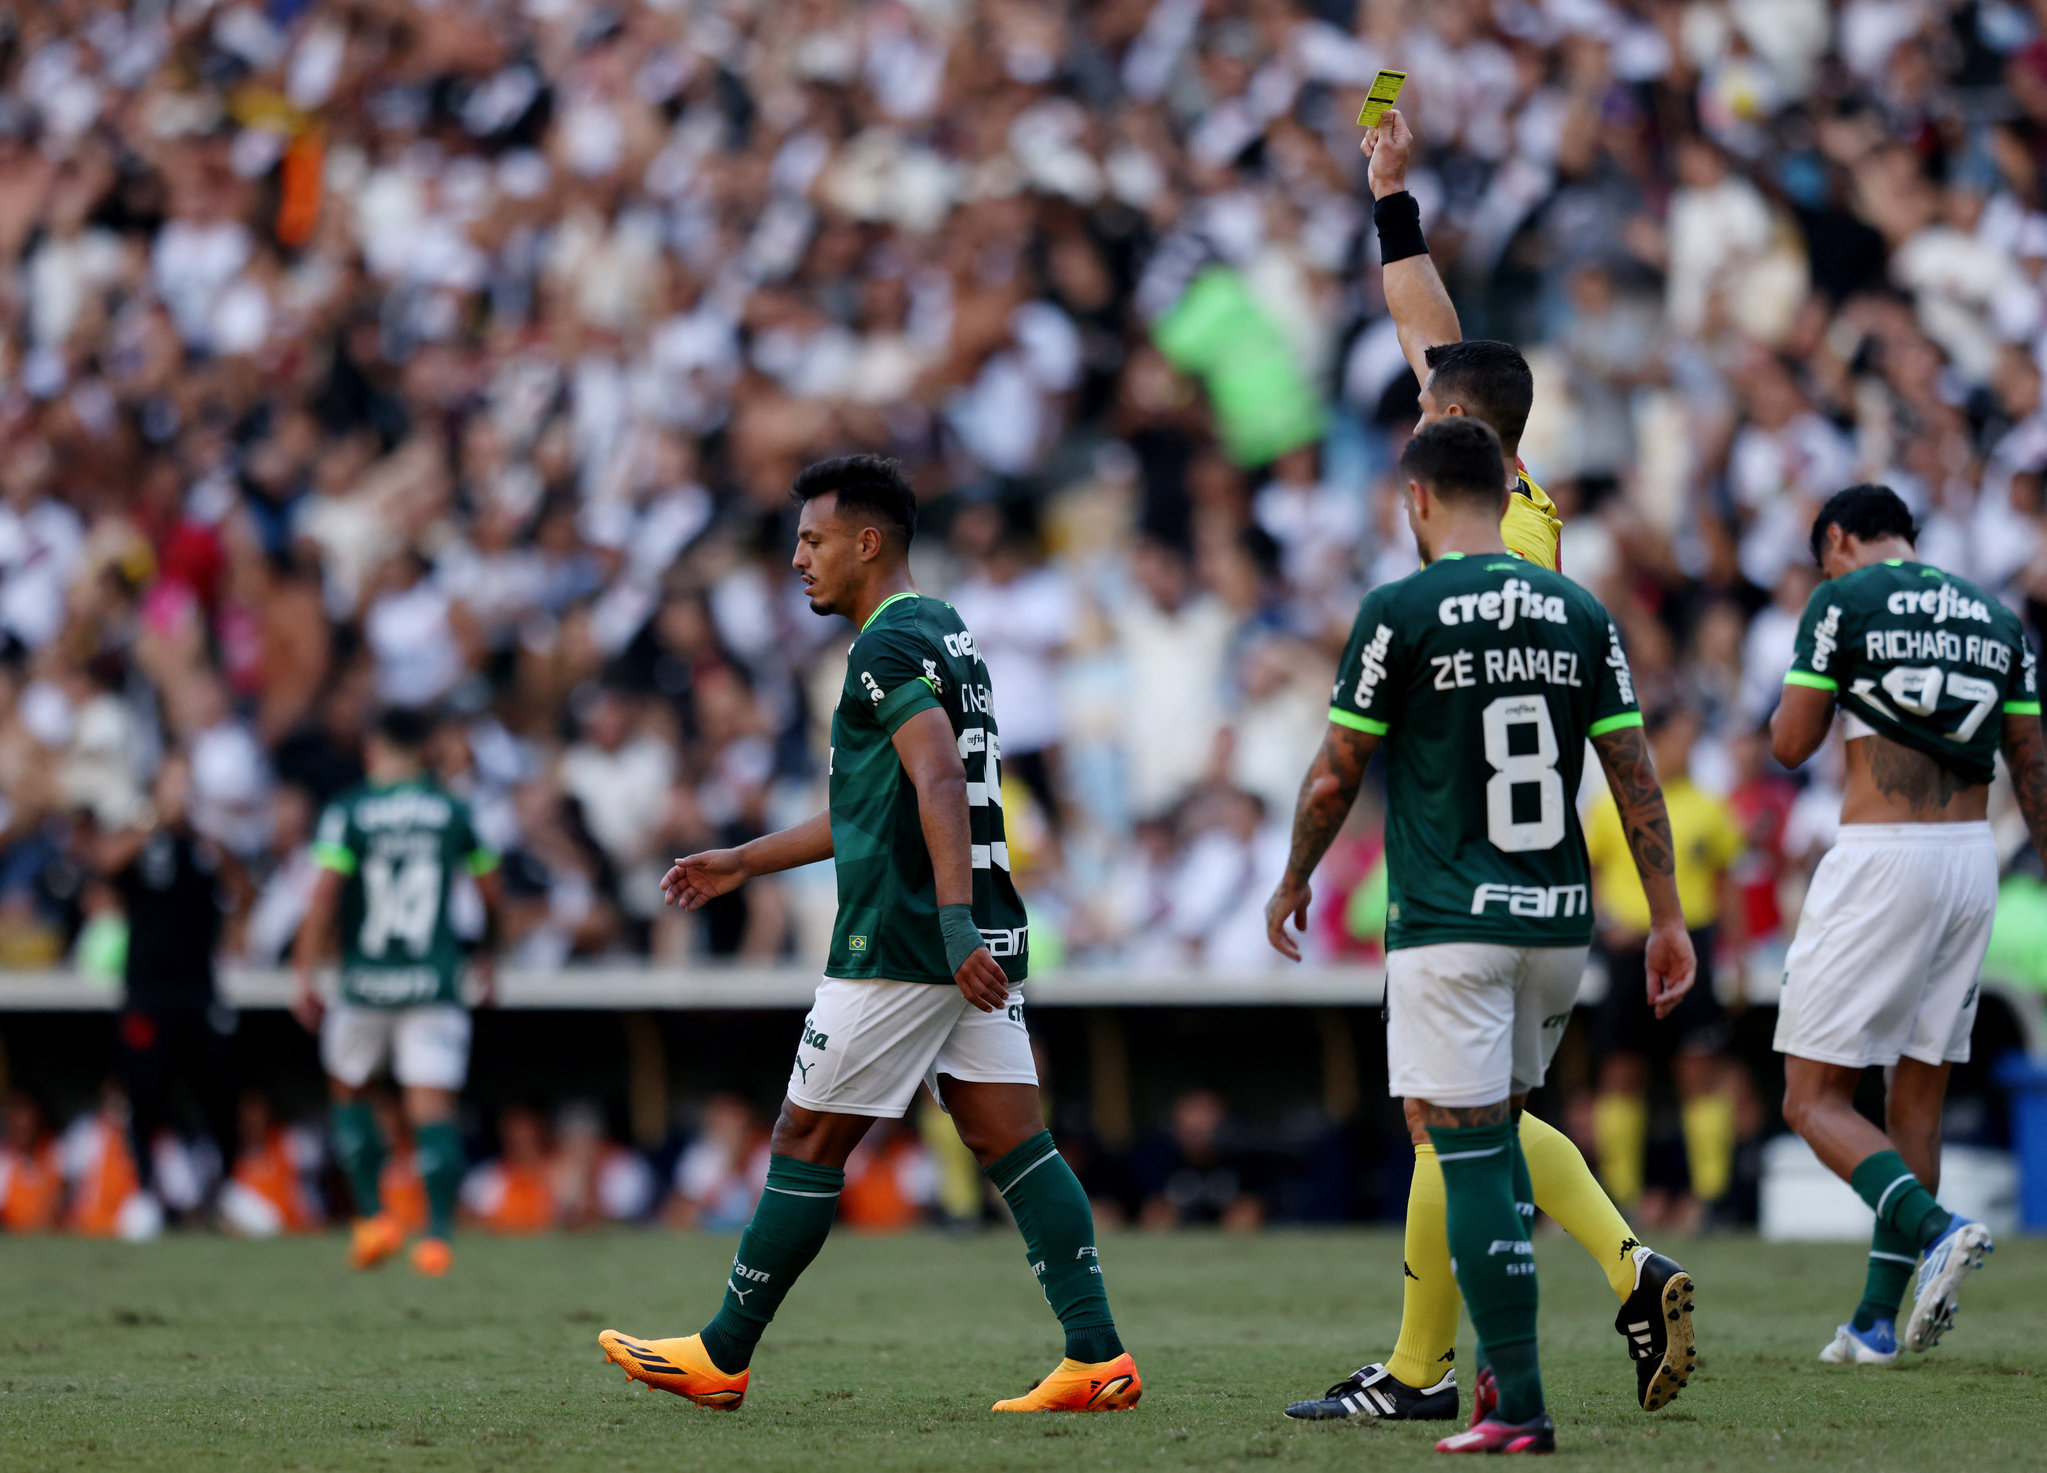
(1709, 1144)
(1620, 1129)
(1566, 1189)
(1429, 1302)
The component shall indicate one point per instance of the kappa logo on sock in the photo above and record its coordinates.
(1409, 1271)
(1446, 1356)
(1629, 1245)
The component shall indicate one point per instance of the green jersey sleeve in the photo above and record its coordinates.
(1813, 657)
(1613, 694)
(890, 678)
(335, 842)
(1368, 682)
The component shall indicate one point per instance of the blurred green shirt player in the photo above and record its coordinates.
(391, 853)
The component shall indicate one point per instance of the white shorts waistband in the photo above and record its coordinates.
(1977, 832)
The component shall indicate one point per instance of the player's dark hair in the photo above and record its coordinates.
(1489, 379)
(1458, 459)
(1867, 511)
(404, 727)
(869, 484)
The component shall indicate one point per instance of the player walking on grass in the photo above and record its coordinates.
(1487, 381)
(927, 951)
(388, 853)
(1483, 676)
(1933, 677)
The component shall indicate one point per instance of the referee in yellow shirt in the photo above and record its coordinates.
(1695, 1038)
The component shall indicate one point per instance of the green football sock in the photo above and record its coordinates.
(1898, 1199)
(1058, 1230)
(790, 1224)
(1494, 1261)
(437, 1145)
(1892, 1257)
(359, 1147)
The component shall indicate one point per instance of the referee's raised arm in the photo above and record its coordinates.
(1415, 295)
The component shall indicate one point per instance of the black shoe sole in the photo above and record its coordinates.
(1680, 1348)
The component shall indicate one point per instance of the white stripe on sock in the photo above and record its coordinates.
(1029, 1169)
(1894, 1258)
(1908, 1177)
(1469, 1155)
(787, 1193)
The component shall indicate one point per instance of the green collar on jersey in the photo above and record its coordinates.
(892, 598)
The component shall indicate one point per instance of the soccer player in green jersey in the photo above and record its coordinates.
(1488, 381)
(927, 951)
(388, 853)
(1933, 678)
(1483, 676)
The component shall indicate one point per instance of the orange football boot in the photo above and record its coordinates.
(432, 1257)
(1106, 1386)
(374, 1239)
(680, 1365)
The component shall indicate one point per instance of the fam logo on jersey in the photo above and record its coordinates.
(1006, 942)
(1372, 667)
(1825, 637)
(1941, 602)
(1542, 902)
(1516, 598)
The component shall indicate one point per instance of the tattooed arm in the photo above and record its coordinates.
(2025, 753)
(1327, 793)
(1631, 773)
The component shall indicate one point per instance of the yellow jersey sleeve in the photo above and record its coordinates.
(1531, 526)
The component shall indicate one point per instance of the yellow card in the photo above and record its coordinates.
(1385, 92)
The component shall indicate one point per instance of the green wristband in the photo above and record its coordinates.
(962, 936)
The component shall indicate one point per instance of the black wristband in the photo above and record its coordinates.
(1399, 220)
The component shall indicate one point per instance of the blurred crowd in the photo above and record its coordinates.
(460, 353)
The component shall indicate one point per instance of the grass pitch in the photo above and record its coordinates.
(204, 1354)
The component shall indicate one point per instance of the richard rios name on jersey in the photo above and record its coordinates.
(1485, 675)
(1923, 657)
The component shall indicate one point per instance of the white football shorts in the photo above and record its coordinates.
(428, 1047)
(1890, 946)
(867, 1045)
(1471, 1023)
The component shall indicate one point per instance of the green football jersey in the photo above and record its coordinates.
(399, 846)
(1922, 657)
(914, 654)
(1485, 675)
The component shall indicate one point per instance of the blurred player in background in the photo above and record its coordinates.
(177, 888)
(1933, 677)
(1692, 1042)
(1485, 676)
(1487, 381)
(389, 854)
(913, 992)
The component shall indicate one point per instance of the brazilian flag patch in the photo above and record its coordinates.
(856, 943)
